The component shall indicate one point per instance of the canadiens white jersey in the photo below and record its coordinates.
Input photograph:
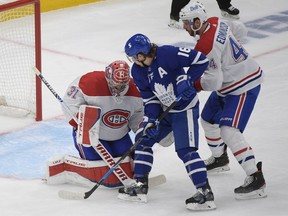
(117, 117)
(231, 69)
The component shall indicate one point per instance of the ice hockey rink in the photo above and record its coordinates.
(88, 37)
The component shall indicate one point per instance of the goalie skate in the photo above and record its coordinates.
(253, 186)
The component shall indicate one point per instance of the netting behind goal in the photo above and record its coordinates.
(20, 51)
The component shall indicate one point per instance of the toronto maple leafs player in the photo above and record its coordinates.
(234, 78)
(158, 72)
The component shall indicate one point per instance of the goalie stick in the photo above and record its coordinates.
(153, 181)
(84, 195)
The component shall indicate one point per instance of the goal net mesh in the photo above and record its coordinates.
(17, 59)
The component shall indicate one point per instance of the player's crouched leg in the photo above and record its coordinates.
(69, 169)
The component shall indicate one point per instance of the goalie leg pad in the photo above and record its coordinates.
(89, 145)
(70, 169)
(55, 170)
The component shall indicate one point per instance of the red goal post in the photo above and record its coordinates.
(20, 51)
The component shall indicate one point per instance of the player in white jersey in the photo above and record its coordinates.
(107, 105)
(234, 78)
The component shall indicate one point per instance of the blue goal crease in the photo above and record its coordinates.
(24, 153)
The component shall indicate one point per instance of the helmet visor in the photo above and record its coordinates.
(140, 57)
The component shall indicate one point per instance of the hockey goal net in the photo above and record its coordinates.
(20, 51)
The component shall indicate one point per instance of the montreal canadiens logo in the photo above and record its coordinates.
(116, 118)
(121, 76)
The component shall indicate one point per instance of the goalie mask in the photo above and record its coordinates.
(192, 11)
(117, 76)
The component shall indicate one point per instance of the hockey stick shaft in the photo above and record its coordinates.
(38, 73)
(88, 193)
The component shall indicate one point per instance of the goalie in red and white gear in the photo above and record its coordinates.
(107, 105)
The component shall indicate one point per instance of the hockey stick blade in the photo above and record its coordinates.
(153, 182)
(71, 195)
(157, 180)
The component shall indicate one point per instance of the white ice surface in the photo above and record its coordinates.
(88, 37)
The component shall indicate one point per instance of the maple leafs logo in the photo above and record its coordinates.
(165, 95)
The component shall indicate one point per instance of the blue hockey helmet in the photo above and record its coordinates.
(138, 43)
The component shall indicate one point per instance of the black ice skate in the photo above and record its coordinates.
(219, 164)
(253, 186)
(202, 200)
(136, 192)
(230, 12)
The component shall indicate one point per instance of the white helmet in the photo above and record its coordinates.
(193, 10)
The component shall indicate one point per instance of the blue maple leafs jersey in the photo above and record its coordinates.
(157, 83)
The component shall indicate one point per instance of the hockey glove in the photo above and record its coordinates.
(151, 128)
(185, 87)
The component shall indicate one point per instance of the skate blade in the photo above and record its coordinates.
(219, 169)
(208, 205)
(141, 198)
(229, 16)
(252, 195)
